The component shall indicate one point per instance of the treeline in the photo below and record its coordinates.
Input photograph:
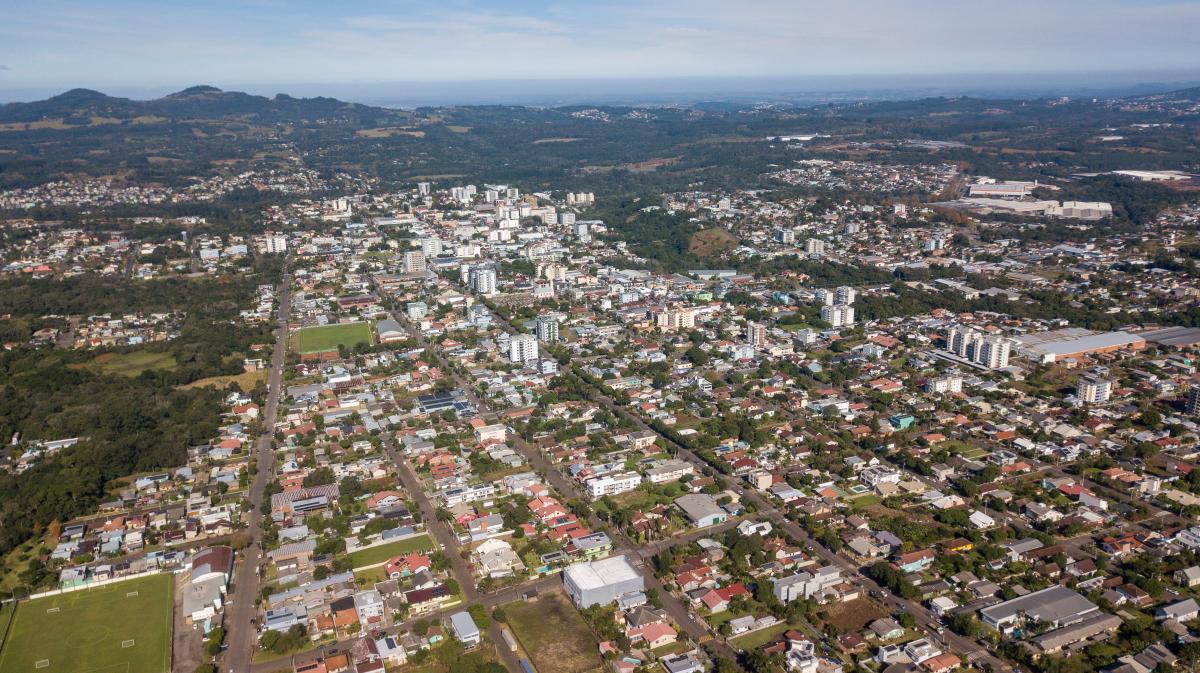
(127, 425)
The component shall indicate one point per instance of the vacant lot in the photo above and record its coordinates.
(129, 364)
(369, 557)
(852, 616)
(711, 241)
(329, 337)
(568, 647)
(119, 628)
(245, 380)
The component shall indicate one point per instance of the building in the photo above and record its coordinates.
(523, 348)
(988, 350)
(838, 315)
(702, 509)
(1056, 606)
(276, 243)
(674, 319)
(414, 261)
(1193, 400)
(845, 295)
(601, 582)
(389, 331)
(464, 629)
(1058, 345)
(547, 328)
(806, 584)
(612, 484)
(814, 246)
(944, 384)
(669, 470)
(786, 236)
(482, 279)
(756, 334)
(1093, 390)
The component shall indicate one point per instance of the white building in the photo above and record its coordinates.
(838, 315)
(612, 484)
(547, 328)
(523, 348)
(1093, 390)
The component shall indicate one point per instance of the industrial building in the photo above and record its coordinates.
(601, 582)
(1059, 345)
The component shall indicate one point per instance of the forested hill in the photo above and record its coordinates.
(80, 107)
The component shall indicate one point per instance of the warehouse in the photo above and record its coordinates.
(601, 582)
(1057, 606)
(1058, 345)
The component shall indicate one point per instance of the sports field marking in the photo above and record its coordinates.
(52, 610)
(131, 594)
(42, 663)
(126, 643)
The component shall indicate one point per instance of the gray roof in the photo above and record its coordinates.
(1055, 605)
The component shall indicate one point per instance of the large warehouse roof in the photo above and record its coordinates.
(605, 572)
(1056, 605)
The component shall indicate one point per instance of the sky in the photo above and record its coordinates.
(171, 44)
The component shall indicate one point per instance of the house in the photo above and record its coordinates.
(1188, 577)
(464, 629)
(886, 628)
(654, 634)
(1181, 611)
(717, 600)
(915, 561)
(405, 566)
(682, 663)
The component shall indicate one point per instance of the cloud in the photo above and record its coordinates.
(4, 67)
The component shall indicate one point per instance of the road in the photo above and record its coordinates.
(240, 607)
(924, 617)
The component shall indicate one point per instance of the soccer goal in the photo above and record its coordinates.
(125, 644)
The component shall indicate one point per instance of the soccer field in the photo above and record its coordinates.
(328, 337)
(124, 627)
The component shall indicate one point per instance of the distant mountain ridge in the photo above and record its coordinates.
(205, 102)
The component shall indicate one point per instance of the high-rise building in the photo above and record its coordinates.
(483, 279)
(989, 350)
(423, 188)
(838, 315)
(674, 319)
(756, 334)
(276, 243)
(1193, 401)
(547, 328)
(523, 348)
(845, 295)
(414, 261)
(786, 236)
(825, 297)
(1093, 390)
(814, 246)
(944, 384)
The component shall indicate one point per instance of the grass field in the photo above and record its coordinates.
(753, 641)
(129, 364)
(373, 555)
(102, 630)
(245, 380)
(569, 647)
(328, 337)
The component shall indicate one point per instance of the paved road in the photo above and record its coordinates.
(240, 608)
(924, 617)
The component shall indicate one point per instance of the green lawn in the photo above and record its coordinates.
(554, 634)
(368, 557)
(329, 337)
(102, 630)
(753, 641)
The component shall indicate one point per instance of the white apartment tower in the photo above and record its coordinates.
(1094, 390)
(523, 349)
(547, 328)
(838, 315)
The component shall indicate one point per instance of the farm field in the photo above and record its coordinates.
(124, 627)
(569, 647)
(329, 337)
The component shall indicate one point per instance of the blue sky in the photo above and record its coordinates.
(170, 43)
